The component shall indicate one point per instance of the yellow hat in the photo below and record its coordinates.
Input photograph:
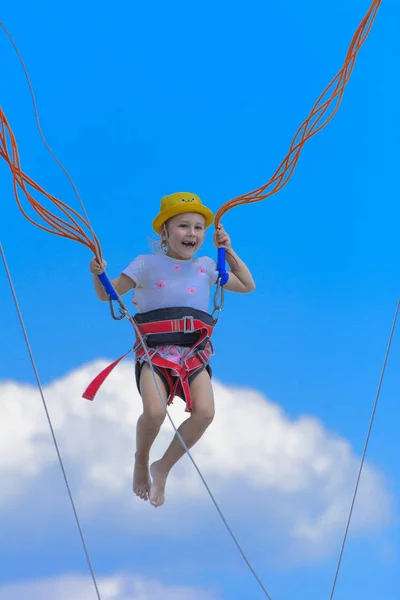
(178, 203)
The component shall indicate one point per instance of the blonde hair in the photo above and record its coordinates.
(161, 246)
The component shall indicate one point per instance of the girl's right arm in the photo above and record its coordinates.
(121, 284)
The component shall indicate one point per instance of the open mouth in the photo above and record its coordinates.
(188, 244)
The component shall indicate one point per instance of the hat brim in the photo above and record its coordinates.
(178, 210)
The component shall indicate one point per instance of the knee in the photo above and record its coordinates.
(205, 415)
(154, 415)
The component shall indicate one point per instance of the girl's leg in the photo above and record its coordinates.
(191, 431)
(148, 426)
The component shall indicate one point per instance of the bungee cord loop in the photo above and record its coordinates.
(74, 230)
(71, 225)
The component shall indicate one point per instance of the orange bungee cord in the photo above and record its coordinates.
(77, 228)
(73, 229)
(314, 122)
(21, 180)
(73, 226)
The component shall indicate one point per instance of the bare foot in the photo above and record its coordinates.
(141, 480)
(158, 484)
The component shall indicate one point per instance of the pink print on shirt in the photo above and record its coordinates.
(176, 268)
(202, 271)
(192, 290)
(173, 353)
(160, 285)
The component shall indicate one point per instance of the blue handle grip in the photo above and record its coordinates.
(106, 283)
(223, 275)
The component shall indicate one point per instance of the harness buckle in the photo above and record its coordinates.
(185, 326)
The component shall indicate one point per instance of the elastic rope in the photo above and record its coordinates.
(36, 111)
(53, 435)
(61, 227)
(365, 447)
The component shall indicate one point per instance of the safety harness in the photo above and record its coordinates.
(182, 326)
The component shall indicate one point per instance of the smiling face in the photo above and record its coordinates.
(186, 234)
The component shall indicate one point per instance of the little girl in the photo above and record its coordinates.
(169, 285)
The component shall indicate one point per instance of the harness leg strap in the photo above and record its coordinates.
(181, 374)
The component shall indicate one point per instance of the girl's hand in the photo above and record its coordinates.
(221, 239)
(96, 268)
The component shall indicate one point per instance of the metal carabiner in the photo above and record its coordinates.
(220, 306)
(122, 311)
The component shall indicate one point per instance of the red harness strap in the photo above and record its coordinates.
(93, 387)
(177, 375)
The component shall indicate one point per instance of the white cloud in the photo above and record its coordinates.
(294, 477)
(112, 588)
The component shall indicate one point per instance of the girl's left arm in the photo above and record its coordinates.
(240, 279)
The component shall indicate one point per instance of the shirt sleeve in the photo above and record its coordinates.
(135, 270)
(212, 271)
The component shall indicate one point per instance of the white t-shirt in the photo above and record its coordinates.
(165, 282)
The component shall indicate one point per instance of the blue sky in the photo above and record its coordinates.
(150, 98)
